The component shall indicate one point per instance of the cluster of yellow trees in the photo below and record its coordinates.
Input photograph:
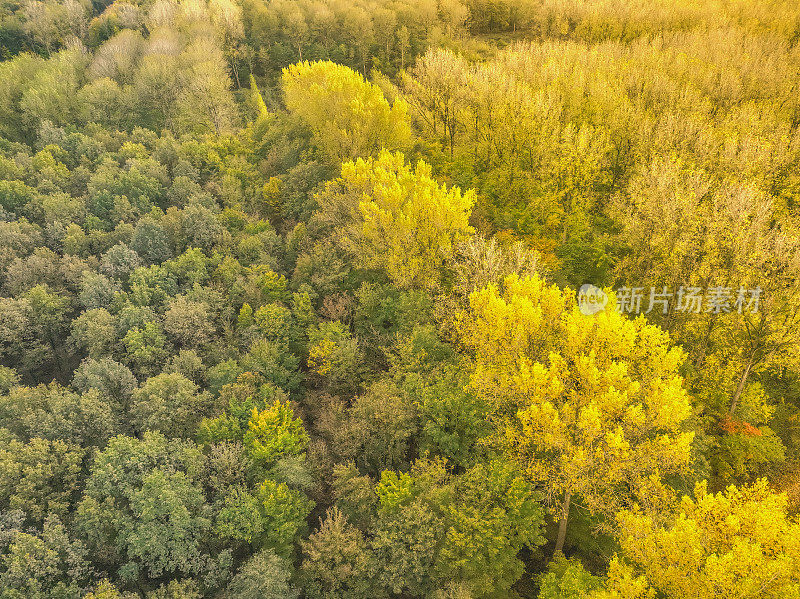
(596, 409)
(664, 162)
(592, 406)
(159, 65)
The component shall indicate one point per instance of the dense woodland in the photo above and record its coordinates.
(289, 299)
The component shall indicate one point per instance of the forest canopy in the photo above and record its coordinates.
(382, 299)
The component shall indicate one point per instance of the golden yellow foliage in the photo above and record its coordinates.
(734, 544)
(590, 405)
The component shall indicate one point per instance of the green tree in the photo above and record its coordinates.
(143, 513)
(334, 357)
(188, 322)
(56, 413)
(272, 518)
(338, 562)
(42, 564)
(40, 477)
(146, 348)
(435, 529)
(272, 434)
(263, 576)
(275, 363)
(112, 380)
(567, 579)
(383, 427)
(170, 404)
(95, 331)
(495, 515)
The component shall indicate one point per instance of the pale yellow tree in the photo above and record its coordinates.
(392, 216)
(348, 116)
(437, 91)
(591, 405)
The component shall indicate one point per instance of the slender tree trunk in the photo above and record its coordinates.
(562, 525)
(704, 347)
(235, 70)
(740, 387)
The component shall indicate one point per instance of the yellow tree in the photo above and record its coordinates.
(348, 116)
(734, 544)
(591, 405)
(392, 216)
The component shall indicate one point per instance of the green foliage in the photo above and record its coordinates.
(434, 529)
(567, 579)
(272, 434)
(143, 507)
(394, 490)
(170, 404)
(384, 424)
(264, 576)
(334, 357)
(40, 478)
(55, 413)
(453, 420)
(146, 348)
(338, 562)
(44, 564)
(358, 34)
(243, 398)
(354, 495)
(497, 513)
(271, 518)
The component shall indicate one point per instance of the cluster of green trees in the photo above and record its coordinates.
(288, 308)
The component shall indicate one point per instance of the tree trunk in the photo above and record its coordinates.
(704, 347)
(562, 525)
(740, 387)
(235, 70)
